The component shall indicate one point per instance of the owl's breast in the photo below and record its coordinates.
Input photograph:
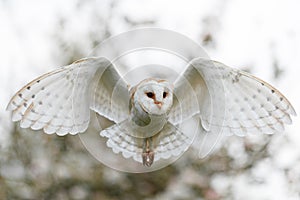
(144, 124)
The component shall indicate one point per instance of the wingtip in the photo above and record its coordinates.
(9, 106)
(293, 111)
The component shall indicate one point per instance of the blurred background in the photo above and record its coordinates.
(262, 37)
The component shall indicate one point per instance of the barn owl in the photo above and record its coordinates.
(147, 116)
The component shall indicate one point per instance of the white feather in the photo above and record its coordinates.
(167, 143)
(59, 101)
(230, 102)
(250, 104)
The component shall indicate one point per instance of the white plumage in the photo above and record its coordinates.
(148, 116)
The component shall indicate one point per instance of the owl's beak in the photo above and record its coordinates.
(158, 103)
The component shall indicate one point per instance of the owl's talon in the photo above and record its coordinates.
(148, 158)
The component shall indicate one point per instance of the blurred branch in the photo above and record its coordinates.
(135, 23)
(277, 70)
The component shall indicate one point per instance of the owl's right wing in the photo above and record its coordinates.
(60, 101)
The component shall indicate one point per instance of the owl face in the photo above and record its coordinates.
(154, 96)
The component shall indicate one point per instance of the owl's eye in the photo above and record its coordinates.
(165, 94)
(150, 94)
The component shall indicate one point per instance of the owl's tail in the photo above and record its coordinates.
(169, 142)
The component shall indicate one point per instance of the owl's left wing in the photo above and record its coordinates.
(251, 104)
(235, 101)
(60, 101)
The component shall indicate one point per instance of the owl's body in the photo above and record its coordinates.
(150, 104)
(148, 116)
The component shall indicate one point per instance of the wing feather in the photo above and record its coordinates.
(251, 104)
(111, 90)
(59, 101)
(167, 143)
(254, 104)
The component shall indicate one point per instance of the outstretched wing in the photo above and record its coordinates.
(59, 101)
(252, 105)
(234, 100)
(228, 101)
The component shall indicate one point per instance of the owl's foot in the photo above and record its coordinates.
(148, 158)
(148, 154)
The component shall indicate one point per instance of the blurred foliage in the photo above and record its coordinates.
(41, 166)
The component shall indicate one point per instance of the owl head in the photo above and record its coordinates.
(154, 96)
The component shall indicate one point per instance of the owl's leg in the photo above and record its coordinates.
(148, 154)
